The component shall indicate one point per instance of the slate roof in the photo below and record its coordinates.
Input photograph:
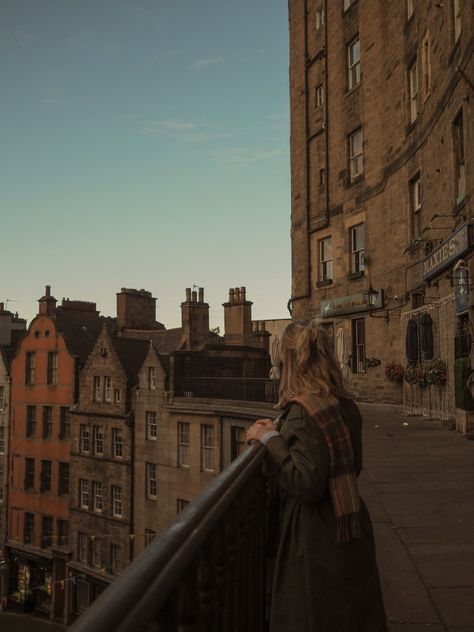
(132, 353)
(81, 331)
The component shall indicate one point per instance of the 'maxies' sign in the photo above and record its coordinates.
(447, 252)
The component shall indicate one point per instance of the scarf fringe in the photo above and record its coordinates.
(348, 528)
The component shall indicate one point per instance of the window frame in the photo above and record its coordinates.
(28, 527)
(184, 444)
(30, 422)
(353, 64)
(47, 422)
(325, 264)
(97, 497)
(414, 91)
(107, 389)
(116, 497)
(84, 438)
(99, 440)
(52, 368)
(151, 425)
(84, 493)
(30, 368)
(30, 474)
(415, 205)
(151, 481)
(357, 253)
(356, 158)
(208, 447)
(83, 548)
(46, 475)
(63, 478)
(96, 388)
(117, 443)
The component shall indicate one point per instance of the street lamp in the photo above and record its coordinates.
(371, 297)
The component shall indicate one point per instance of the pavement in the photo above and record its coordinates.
(418, 483)
(13, 622)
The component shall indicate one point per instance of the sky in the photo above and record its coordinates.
(145, 144)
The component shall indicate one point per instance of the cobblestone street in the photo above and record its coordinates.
(418, 483)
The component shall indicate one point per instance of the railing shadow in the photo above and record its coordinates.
(206, 572)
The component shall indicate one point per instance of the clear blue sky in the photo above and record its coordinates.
(145, 143)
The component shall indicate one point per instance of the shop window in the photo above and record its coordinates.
(358, 345)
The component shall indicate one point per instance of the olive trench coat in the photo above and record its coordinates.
(318, 585)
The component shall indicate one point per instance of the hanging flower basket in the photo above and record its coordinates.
(371, 362)
(435, 372)
(416, 375)
(394, 372)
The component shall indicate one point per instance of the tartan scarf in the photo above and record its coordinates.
(342, 477)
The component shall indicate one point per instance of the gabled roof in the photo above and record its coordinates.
(168, 340)
(132, 353)
(81, 331)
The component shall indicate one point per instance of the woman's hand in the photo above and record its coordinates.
(260, 428)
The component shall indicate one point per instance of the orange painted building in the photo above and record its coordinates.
(44, 381)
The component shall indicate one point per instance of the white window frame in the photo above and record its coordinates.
(184, 446)
(319, 18)
(414, 91)
(96, 388)
(52, 368)
(348, 3)
(356, 154)
(107, 388)
(117, 443)
(410, 8)
(353, 63)
(325, 259)
(84, 493)
(426, 66)
(117, 501)
(99, 440)
(96, 553)
(117, 396)
(357, 249)
(151, 378)
(84, 438)
(151, 481)
(208, 435)
(97, 496)
(151, 425)
(150, 535)
(319, 95)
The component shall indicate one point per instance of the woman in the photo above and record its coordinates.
(326, 577)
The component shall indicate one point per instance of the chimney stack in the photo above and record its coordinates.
(195, 320)
(47, 303)
(136, 309)
(237, 317)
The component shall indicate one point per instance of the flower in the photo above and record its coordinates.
(371, 362)
(394, 372)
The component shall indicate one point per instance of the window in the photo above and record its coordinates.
(325, 259)
(98, 440)
(29, 528)
(353, 64)
(84, 438)
(83, 493)
(63, 479)
(410, 8)
(64, 423)
(96, 552)
(319, 18)
(150, 480)
(183, 444)
(47, 421)
(2, 396)
(207, 447)
(46, 532)
(357, 235)
(358, 345)
(181, 504)
(107, 388)
(63, 532)
(457, 19)
(237, 441)
(150, 535)
(96, 389)
(30, 367)
(114, 558)
(414, 91)
(151, 378)
(117, 396)
(322, 178)
(52, 372)
(347, 4)
(460, 167)
(319, 101)
(117, 501)
(2, 439)
(415, 206)
(117, 442)
(150, 425)
(426, 66)
(82, 547)
(356, 166)
(45, 476)
(97, 496)
(29, 474)
(31, 421)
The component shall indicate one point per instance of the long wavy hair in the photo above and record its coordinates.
(308, 363)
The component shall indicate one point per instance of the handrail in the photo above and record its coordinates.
(135, 598)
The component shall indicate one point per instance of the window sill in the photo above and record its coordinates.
(352, 276)
(354, 182)
(324, 283)
(350, 91)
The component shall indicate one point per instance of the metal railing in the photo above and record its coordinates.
(238, 388)
(206, 572)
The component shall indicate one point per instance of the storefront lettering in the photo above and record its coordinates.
(444, 254)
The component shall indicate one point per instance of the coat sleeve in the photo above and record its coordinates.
(299, 458)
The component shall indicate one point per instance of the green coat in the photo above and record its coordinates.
(318, 585)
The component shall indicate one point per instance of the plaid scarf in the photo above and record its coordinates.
(342, 477)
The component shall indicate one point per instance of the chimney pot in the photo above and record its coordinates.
(194, 295)
(231, 295)
(237, 294)
(201, 295)
(48, 290)
(188, 294)
(242, 293)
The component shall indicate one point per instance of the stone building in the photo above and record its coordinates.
(44, 378)
(382, 180)
(12, 329)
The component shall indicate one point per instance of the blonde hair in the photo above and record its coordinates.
(309, 363)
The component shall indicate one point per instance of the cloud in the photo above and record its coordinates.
(200, 64)
(244, 155)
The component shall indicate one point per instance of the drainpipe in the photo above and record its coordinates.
(326, 103)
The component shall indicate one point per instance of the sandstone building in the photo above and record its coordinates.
(382, 182)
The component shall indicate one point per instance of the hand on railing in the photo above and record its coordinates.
(259, 429)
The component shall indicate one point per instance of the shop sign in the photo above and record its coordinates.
(461, 290)
(447, 252)
(348, 305)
